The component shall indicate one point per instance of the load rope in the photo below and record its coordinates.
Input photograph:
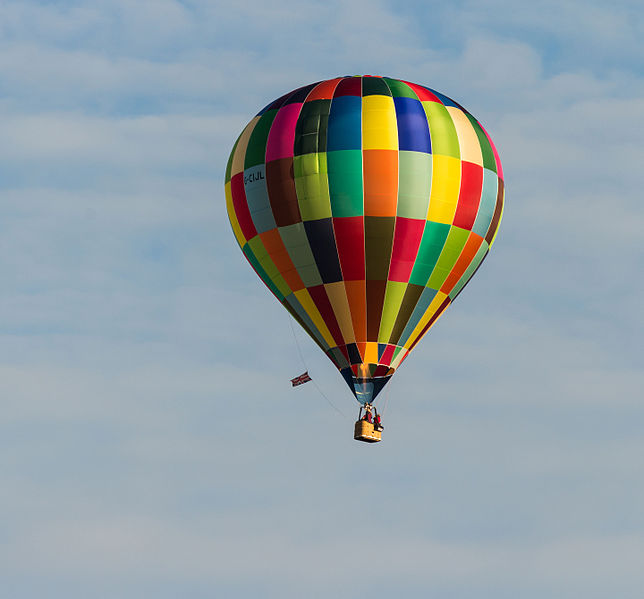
(306, 368)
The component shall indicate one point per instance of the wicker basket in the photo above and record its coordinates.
(364, 431)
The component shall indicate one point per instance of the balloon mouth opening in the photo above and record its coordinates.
(364, 388)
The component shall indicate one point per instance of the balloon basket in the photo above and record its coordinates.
(365, 431)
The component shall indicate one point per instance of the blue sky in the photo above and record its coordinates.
(150, 444)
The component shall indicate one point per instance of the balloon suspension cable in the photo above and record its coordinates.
(386, 402)
(299, 351)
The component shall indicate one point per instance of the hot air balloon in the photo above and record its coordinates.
(365, 204)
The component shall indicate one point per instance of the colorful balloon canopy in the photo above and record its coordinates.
(365, 204)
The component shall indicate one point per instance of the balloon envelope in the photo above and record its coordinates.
(365, 204)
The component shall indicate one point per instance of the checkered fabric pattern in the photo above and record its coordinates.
(365, 204)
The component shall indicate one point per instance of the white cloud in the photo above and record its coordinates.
(74, 139)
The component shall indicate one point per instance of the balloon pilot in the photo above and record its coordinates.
(377, 424)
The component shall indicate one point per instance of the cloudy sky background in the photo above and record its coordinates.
(150, 443)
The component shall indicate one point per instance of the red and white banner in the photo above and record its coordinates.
(300, 380)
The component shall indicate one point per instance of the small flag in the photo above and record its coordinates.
(300, 380)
